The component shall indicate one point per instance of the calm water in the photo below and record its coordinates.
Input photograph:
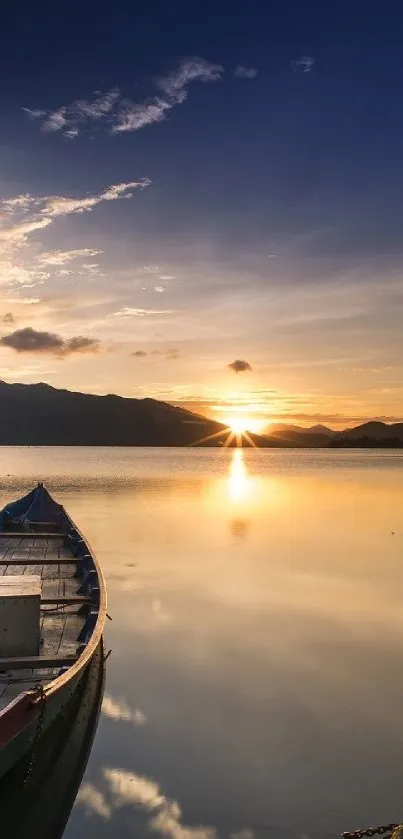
(255, 686)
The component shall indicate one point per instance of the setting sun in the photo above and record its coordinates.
(241, 424)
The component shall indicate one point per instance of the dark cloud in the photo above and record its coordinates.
(170, 355)
(8, 319)
(30, 340)
(239, 366)
(81, 344)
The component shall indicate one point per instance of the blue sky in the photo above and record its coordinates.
(184, 185)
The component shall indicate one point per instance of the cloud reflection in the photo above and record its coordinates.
(118, 709)
(239, 528)
(93, 801)
(126, 788)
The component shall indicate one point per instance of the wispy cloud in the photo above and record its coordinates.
(305, 63)
(24, 301)
(61, 206)
(18, 202)
(133, 116)
(61, 257)
(122, 114)
(24, 215)
(190, 70)
(69, 118)
(29, 340)
(150, 269)
(130, 312)
(119, 710)
(45, 209)
(34, 113)
(245, 72)
(175, 89)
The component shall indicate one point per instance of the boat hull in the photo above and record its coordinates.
(41, 807)
(22, 743)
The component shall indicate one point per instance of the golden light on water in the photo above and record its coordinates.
(245, 490)
(240, 484)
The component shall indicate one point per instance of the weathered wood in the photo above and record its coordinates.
(51, 588)
(43, 560)
(39, 524)
(24, 534)
(16, 585)
(53, 635)
(64, 551)
(15, 568)
(37, 662)
(67, 600)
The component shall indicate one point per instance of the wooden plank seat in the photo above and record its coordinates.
(37, 662)
(30, 534)
(36, 525)
(42, 560)
(67, 600)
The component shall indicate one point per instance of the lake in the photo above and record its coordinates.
(255, 684)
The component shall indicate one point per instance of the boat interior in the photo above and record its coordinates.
(53, 552)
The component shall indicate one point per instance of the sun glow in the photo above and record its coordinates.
(241, 424)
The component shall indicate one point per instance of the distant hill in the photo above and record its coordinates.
(294, 436)
(41, 415)
(320, 429)
(370, 435)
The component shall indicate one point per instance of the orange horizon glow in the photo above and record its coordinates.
(242, 424)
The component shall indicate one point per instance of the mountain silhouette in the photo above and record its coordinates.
(41, 415)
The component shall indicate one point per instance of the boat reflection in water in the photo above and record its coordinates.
(36, 800)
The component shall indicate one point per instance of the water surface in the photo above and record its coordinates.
(255, 686)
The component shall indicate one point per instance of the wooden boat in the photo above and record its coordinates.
(40, 808)
(38, 537)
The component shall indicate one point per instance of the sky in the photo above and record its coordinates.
(202, 203)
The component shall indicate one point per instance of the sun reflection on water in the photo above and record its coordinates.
(240, 483)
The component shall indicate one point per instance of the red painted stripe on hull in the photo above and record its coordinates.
(16, 717)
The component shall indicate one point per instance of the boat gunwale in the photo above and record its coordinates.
(90, 647)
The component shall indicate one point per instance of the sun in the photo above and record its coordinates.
(240, 425)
